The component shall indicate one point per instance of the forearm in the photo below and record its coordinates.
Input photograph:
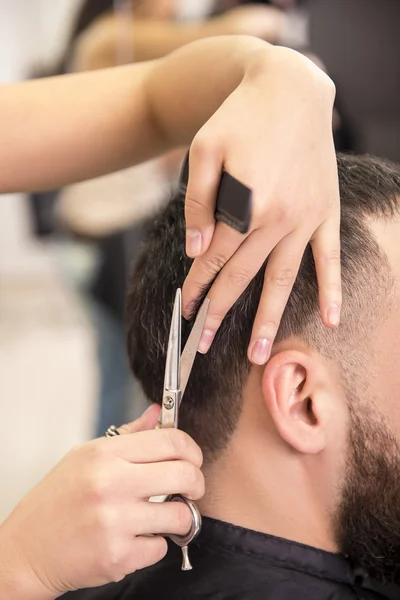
(65, 129)
(17, 579)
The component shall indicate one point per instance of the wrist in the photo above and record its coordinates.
(295, 72)
(18, 580)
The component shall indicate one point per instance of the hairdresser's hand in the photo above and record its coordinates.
(274, 134)
(85, 524)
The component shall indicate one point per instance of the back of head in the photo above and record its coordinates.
(369, 189)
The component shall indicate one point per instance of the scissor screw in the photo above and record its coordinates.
(169, 403)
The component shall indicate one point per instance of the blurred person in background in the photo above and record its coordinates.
(154, 28)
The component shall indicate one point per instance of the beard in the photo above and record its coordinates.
(368, 517)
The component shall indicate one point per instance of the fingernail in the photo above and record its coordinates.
(260, 351)
(193, 242)
(334, 315)
(206, 340)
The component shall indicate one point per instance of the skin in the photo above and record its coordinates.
(154, 33)
(255, 111)
(295, 427)
(145, 31)
(85, 524)
(284, 445)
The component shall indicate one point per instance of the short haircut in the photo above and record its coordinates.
(369, 188)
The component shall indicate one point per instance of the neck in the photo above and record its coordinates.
(267, 488)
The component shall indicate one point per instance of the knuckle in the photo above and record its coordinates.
(201, 485)
(214, 263)
(125, 429)
(113, 561)
(193, 206)
(331, 258)
(189, 474)
(184, 446)
(78, 455)
(283, 278)
(283, 213)
(120, 571)
(203, 147)
(194, 483)
(197, 454)
(334, 290)
(179, 441)
(142, 555)
(158, 551)
(239, 279)
(99, 487)
(268, 329)
(162, 548)
(96, 451)
(215, 317)
(105, 520)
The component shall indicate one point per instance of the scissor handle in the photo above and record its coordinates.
(185, 540)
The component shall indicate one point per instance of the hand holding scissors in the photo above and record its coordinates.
(177, 372)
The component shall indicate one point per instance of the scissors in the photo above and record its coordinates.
(177, 372)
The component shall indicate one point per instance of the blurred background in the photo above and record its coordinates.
(65, 255)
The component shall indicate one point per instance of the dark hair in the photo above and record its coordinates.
(369, 188)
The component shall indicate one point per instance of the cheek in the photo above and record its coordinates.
(333, 465)
(385, 379)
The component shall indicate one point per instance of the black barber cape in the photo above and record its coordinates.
(232, 563)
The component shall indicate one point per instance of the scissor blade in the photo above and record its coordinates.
(192, 344)
(172, 367)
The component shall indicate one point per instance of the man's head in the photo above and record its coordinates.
(326, 399)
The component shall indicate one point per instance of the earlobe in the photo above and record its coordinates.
(294, 398)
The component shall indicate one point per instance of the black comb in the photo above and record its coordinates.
(234, 200)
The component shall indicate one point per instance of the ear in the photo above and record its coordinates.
(299, 395)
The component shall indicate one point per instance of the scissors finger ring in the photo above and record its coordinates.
(183, 541)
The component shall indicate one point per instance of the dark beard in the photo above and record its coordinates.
(368, 518)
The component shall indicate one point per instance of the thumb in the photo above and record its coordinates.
(147, 421)
(201, 197)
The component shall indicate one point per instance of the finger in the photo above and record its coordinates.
(205, 268)
(326, 251)
(233, 280)
(145, 551)
(163, 479)
(147, 421)
(157, 446)
(162, 517)
(201, 196)
(280, 274)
